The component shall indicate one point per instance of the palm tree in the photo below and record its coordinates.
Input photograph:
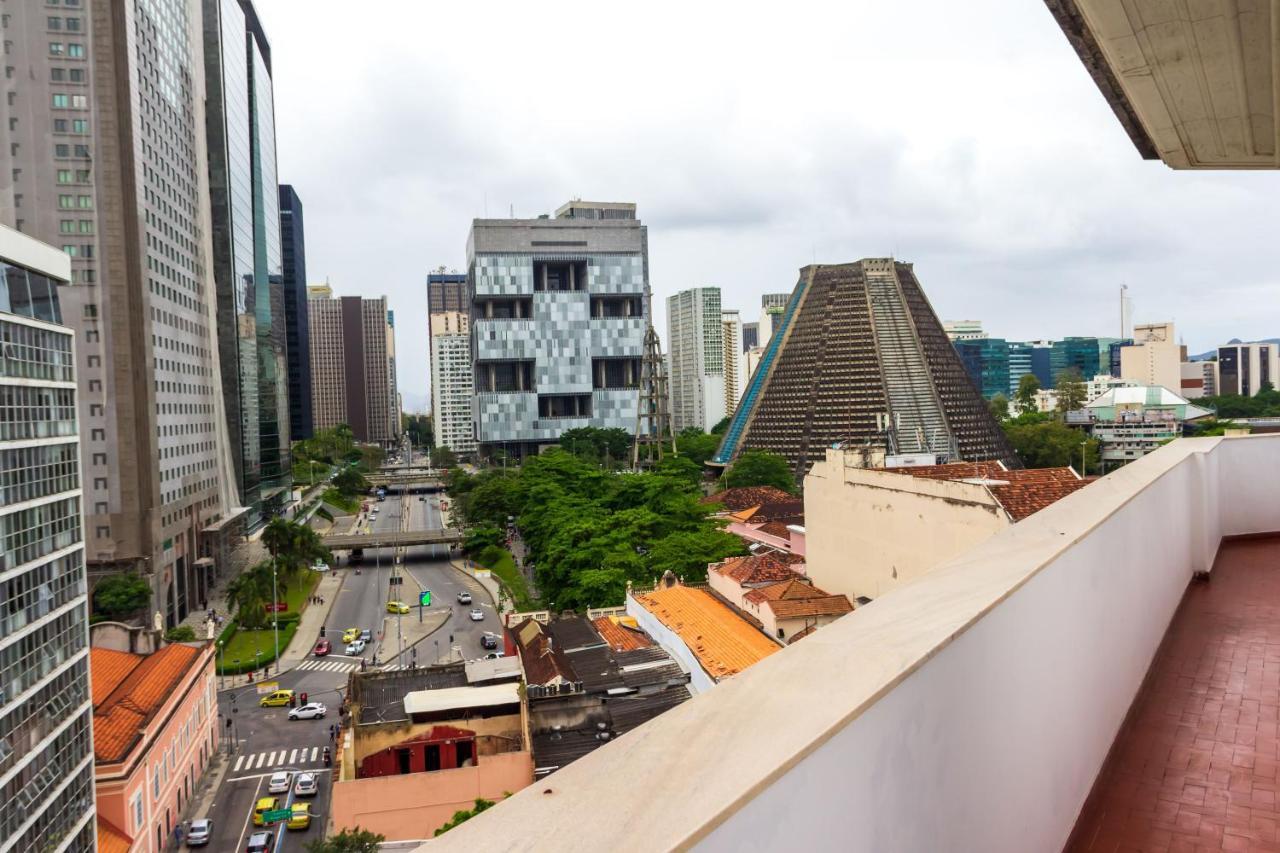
(251, 590)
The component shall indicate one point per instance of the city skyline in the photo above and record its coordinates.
(1030, 188)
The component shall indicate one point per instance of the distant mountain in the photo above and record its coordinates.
(1205, 356)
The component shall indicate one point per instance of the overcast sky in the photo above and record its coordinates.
(965, 137)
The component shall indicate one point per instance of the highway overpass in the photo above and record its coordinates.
(390, 539)
(415, 482)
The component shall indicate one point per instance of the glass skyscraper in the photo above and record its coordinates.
(240, 117)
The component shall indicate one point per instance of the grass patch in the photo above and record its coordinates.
(333, 497)
(503, 565)
(241, 643)
(304, 475)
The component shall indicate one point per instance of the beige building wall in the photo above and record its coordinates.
(1155, 357)
(328, 366)
(868, 532)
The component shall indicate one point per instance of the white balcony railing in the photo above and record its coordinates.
(971, 709)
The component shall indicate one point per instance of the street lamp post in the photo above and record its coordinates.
(275, 614)
(222, 665)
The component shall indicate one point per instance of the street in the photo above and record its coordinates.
(263, 740)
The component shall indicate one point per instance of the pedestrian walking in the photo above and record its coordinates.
(330, 731)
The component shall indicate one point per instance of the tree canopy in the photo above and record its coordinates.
(419, 429)
(348, 841)
(1071, 390)
(999, 406)
(609, 447)
(1042, 441)
(466, 815)
(697, 446)
(760, 468)
(588, 531)
(1264, 404)
(120, 596)
(1025, 397)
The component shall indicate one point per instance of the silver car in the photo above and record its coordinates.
(280, 782)
(198, 832)
(306, 785)
(355, 647)
(477, 615)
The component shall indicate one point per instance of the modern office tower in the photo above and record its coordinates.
(352, 374)
(695, 344)
(734, 360)
(1088, 355)
(986, 360)
(297, 333)
(1154, 357)
(750, 336)
(391, 403)
(452, 381)
(247, 262)
(1243, 368)
(772, 306)
(964, 330)
(106, 157)
(46, 752)
(558, 318)
(1020, 356)
(860, 357)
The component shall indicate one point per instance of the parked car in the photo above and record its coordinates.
(355, 647)
(489, 640)
(278, 699)
(309, 711)
(322, 648)
(476, 614)
(259, 842)
(280, 782)
(464, 597)
(198, 832)
(306, 785)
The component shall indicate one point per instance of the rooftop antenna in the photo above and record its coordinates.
(511, 210)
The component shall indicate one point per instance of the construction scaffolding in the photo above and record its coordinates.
(653, 417)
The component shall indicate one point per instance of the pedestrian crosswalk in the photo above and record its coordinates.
(329, 665)
(277, 758)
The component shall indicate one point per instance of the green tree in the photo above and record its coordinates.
(463, 816)
(999, 406)
(1044, 442)
(250, 591)
(419, 429)
(348, 841)
(610, 447)
(1071, 390)
(1025, 397)
(351, 482)
(697, 446)
(180, 634)
(723, 426)
(122, 595)
(479, 538)
(443, 457)
(760, 468)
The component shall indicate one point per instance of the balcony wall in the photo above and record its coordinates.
(968, 710)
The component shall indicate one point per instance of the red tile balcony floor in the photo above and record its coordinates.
(1196, 765)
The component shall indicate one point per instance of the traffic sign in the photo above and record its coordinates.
(424, 597)
(273, 815)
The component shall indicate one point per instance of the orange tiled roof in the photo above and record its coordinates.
(760, 568)
(779, 528)
(108, 668)
(542, 660)
(747, 497)
(795, 588)
(1022, 492)
(824, 605)
(111, 839)
(619, 636)
(124, 711)
(723, 642)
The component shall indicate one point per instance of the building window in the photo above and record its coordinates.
(80, 101)
(60, 101)
(75, 50)
(73, 25)
(66, 201)
(55, 48)
(57, 75)
(80, 125)
(59, 125)
(76, 75)
(64, 176)
(55, 23)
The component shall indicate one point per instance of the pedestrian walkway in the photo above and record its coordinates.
(298, 757)
(328, 665)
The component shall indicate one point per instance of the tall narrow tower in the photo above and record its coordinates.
(653, 418)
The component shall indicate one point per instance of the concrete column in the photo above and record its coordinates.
(573, 269)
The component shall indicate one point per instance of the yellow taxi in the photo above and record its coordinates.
(264, 805)
(300, 817)
(277, 699)
(350, 634)
(397, 607)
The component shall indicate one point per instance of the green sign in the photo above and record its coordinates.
(424, 597)
(273, 815)
(168, 544)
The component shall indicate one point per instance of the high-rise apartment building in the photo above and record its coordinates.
(247, 265)
(452, 381)
(1243, 368)
(772, 305)
(352, 372)
(105, 156)
(734, 360)
(559, 309)
(696, 355)
(1154, 358)
(859, 357)
(452, 378)
(964, 330)
(750, 336)
(293, 247)
(46, 751)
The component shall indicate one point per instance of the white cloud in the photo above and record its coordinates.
(965, 137)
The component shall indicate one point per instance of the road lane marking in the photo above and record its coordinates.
(239, 761)
(314, 750)
(272, 760)
(292, 756)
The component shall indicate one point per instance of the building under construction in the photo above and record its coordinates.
(859, 357)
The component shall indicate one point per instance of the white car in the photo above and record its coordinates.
(464, 597)
(198, 832)
(320, 566)
(309, 711)
(280, 782)
(355, 647)
(306, 785)
(476, 614)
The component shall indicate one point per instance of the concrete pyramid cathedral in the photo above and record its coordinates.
(859, 357)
